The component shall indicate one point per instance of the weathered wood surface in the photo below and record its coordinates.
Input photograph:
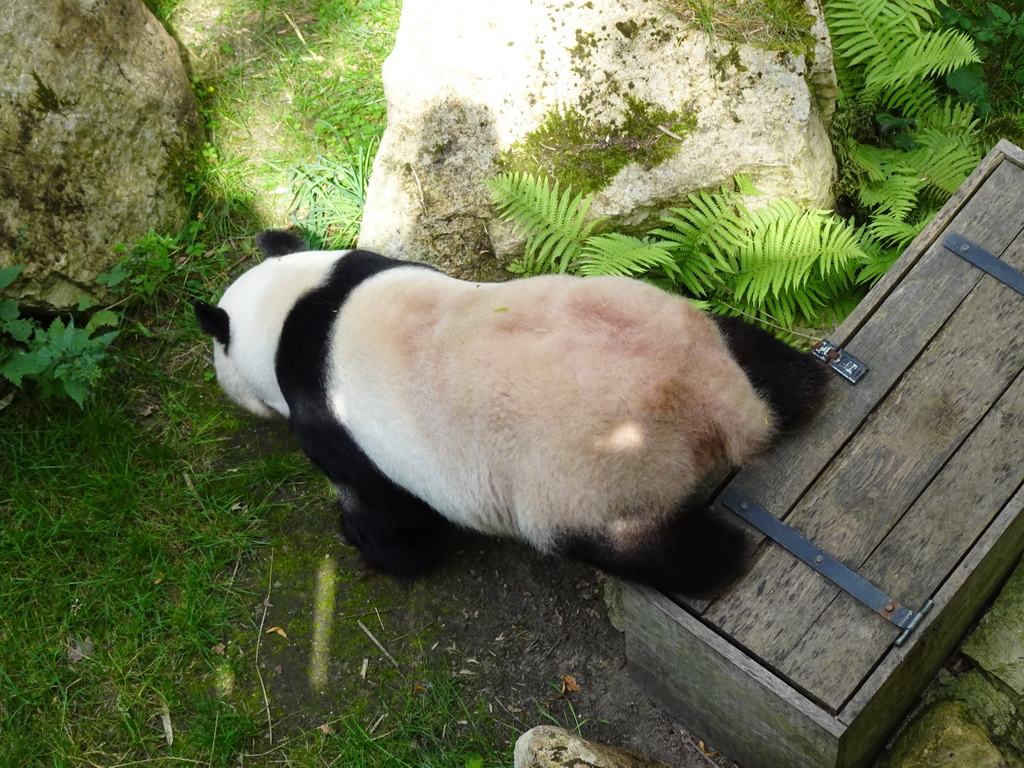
(918, 553)
(727, 697)
(914, 477)
(894, 685)
(873, 481)
(867, 482)
(889, 341)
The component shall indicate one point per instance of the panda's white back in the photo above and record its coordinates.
(520, 407)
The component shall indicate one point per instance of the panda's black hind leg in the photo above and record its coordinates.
(696, 552)
(792, 381)
(399, 535)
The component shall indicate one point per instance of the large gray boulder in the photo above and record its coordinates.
(623, 98)
(97, 125)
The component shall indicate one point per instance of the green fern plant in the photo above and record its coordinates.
(778, 263)
(559, 238)
(888, 50)
(888, 56)
(553, 220)
(781, 264)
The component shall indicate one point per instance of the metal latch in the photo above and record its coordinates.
(845, 364)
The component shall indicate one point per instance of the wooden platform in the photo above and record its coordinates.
(912, 477)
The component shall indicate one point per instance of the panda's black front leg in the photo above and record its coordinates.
(393, 531)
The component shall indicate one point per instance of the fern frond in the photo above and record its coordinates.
(911, 99)
(951, 117)
(877, 264)
(933, 54)
(553, 220)
(861, 30)
(744, 185)
(887, 48)
(942, 159)
(897, 195)
(712, 223)
(703, 239)
(894, 231)
(795, 261)
(871, 161)
(617, 254)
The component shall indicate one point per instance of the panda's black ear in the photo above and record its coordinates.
(274, 242)
(213, 320)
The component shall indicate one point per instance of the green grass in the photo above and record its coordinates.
(118, 553)
(283, 84)
(135, 527)
(129, 526)
(767, 24)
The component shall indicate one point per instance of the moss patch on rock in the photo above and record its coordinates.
(586, 154)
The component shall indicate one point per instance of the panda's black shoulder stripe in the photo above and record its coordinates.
(301, 362)
(396, 517)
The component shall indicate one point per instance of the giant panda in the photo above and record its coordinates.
(579, 415)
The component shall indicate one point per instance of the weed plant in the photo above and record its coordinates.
(995, 85)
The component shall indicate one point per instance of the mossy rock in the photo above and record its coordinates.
(948, 734)
(997, 645)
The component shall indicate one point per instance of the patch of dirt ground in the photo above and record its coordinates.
(334, 640)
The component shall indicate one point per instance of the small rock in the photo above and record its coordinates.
(549, 747)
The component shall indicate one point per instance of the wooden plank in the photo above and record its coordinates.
(720, 693)
(943, 524)
(882, 469)
(1011, 151)
(888, 342)
(898, 680)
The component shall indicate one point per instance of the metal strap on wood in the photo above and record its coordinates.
(848, 580)
(984, 261)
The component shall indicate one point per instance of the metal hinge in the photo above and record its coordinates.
(984, 261)
(843, 577)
